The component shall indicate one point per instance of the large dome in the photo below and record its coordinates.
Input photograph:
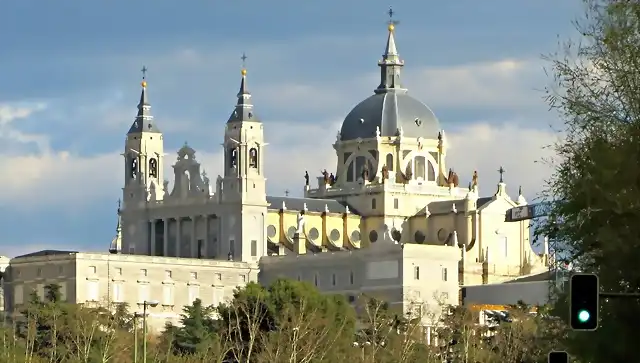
(390, 111)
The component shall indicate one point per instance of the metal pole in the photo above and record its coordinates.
(144, 332)
(628, 295)
(135, 338)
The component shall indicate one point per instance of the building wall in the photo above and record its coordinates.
(105, 278)
(405, 276)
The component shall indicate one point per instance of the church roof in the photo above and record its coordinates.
(390, 109)
(243, 110)
(313, 205)
(144, 120)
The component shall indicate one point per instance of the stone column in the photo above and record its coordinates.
(178, 235)
(194, 237)
(206, 253)
(153, 237)
(165, 242)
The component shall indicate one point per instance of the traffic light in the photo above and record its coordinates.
(584, 301)
(558, 357)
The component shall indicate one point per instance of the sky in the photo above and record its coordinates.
(70, 82)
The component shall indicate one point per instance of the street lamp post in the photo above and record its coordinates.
(153, 304)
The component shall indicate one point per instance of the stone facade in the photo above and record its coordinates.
(102, 278)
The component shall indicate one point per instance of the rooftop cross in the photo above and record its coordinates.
(392, 22)
(119, 205)
(244, 59)
(501, 171)
(144, 72)
(286, 193)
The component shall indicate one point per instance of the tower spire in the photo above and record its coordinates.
(144, 120)
(244, 108)
(391, 64)
(116, 243)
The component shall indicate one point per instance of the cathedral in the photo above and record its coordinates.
(391, 218)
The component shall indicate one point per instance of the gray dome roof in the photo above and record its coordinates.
(390, 111)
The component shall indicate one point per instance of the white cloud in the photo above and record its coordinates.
(520, 150)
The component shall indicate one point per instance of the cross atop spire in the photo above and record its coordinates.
(144, 120)
(244, 60)
(391, 64)
(501, 171)
(144, 72)
(392, 23)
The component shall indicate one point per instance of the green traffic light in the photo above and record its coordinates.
(583, 316)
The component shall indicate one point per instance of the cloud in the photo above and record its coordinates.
(520, 150)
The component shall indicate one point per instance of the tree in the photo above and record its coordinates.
(197, 328)
(596, 182)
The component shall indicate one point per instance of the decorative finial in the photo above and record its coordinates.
(501, 171)
(144, 77)
(520, 190)
(392, 23)
(244, 64)
(119, 205)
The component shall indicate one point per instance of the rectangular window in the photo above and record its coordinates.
(232, 247)
(167, 295)
(396, 203)
(243, 278)
(194, 293)
(40, 291)
(168, 274)
(416, 272)
(200, 248)
(315, 279)
(60, 270)
(132, 250)
(144, 272)
(333, 279)
(143, 293)
(194, 276)
(218, 296)
(444, 274)
(254, 248)
(219, 276)
(92, 291)
(39, 272)
(18, 294)
(63, 291)
(118, 271)
(505, 243)
(92, 270)
(351, 277)
(118, 292)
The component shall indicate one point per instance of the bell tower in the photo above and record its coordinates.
(243, 188)
(143, 155)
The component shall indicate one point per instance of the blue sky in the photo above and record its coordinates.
(69, 85)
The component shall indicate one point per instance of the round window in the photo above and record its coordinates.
(291, 231)
(355, 236)
(271, 231)
(396, 235)
(335, 235)
(314, 234)
(420, 237)
(373, 236)
(442, 235)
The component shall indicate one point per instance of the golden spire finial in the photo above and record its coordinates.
(144, 77)
(244, 68)
(392, 23)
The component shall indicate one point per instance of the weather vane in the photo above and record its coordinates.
(144, 72)
(391, 21)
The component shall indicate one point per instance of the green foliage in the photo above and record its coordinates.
(597, 174)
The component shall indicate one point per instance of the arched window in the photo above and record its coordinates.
(153, 168)
(431, 172)
(133, 166)
(253, 158)
(420, 167)
(351, 172)
(389, 162)
(373, 203)
(233, 158)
